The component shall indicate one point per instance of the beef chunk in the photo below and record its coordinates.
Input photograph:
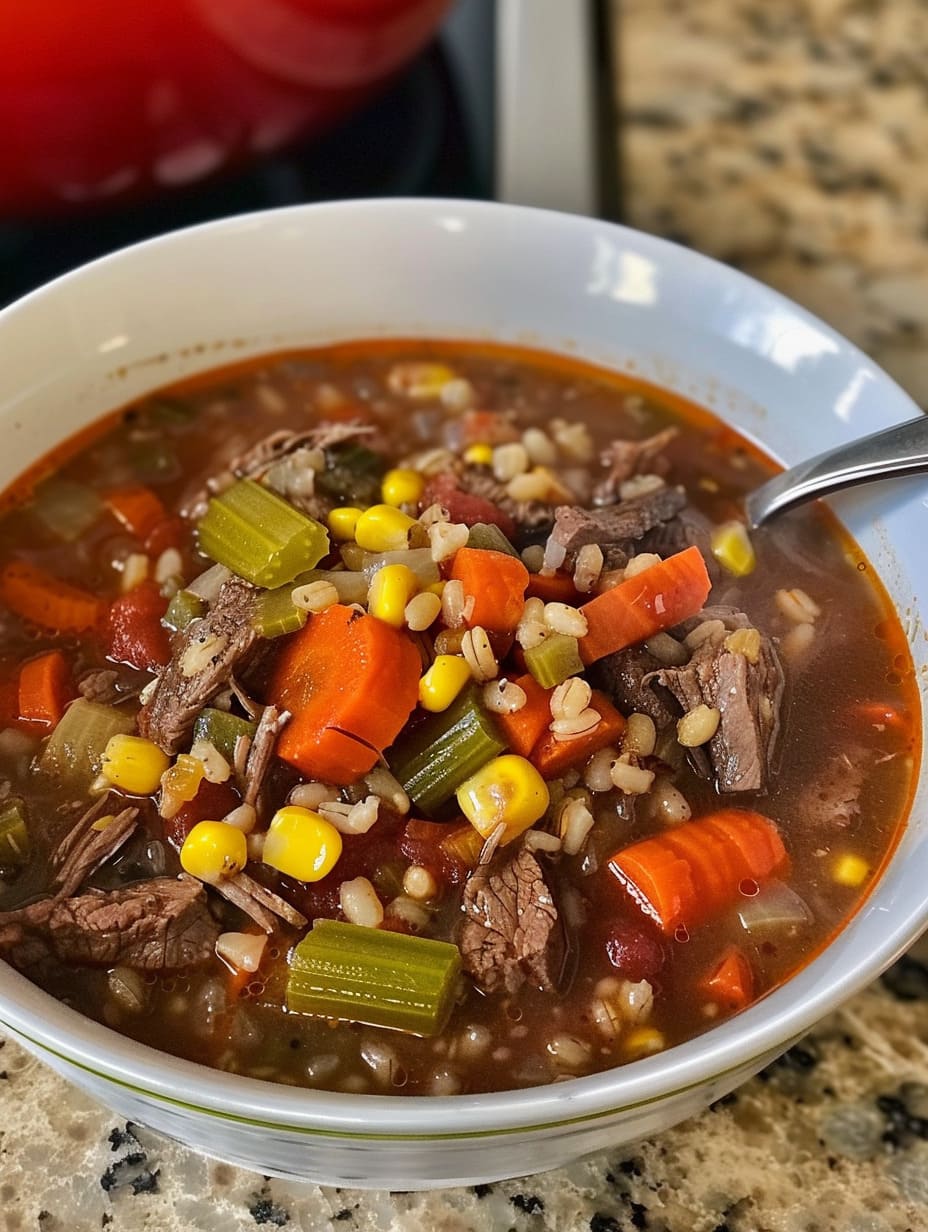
(748, 696)
(511, 930)
(618, 528)
(832, 800)
(181, 693)
(629, 677)
(628, 458)
(158, 925)
(84, 849)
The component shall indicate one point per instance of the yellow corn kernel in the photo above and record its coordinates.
(134, 764)
(402, 486)
(419, 380)
(443, 682)
(390, 590)
(213, 851)
(643, 1042)
(301, 844)
(733, 549)
(479, 455)
(851, 870)
(383, 529)
(507, 790)
(342, 523)
(436, 588)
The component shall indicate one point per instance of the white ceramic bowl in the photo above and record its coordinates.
(445, 269)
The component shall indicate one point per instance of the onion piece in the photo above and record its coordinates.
(209, 584)
(419, 560)
(775, 908)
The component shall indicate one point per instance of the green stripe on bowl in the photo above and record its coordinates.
(310, 1131)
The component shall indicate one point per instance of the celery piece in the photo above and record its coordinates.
(371, 976)
(74, 751)
(352, 474)
(222, 730)
(14, 837)
(554, 659)
(258, 535)
(488, 537)
(154, 462)
(184, 608)
(277, 614)
(435, 759)
(66, 508)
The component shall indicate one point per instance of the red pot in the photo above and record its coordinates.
(116, 98)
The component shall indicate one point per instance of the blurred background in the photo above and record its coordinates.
(786, 138)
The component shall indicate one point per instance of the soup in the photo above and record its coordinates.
(422, 719)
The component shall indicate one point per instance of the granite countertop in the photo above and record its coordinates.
(786, 138)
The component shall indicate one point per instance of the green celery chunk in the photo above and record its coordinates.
(67, 508)
(554, 659)
(372, 976)
(14, 837)
(435, 759)
(154, 462)
(258, 535)
(222, 730)
(74, 751)
(277, 614)
(488, 537)
(352, 474)
(184, 608)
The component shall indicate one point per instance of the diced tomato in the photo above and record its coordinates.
(211, 803)
(135, 633)
(168, 533)
(462, 507)
(420, 844)
(482, 428)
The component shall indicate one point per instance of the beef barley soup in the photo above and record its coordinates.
(421, 718)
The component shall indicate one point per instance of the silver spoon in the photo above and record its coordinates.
(900, 450)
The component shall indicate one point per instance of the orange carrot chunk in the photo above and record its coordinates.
(692, 873)
(45, 688)
(37, 596)
(350, 682)
(552, 588)
(138, 509)
(730, 982)
(496, 582)
(523, 729)
(653, 600)
(552, 757)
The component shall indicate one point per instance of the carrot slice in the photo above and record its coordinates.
(553, 588)
(496, 582)
(35, 595)
(692, 873)
(45, 688)
(730, 982)
(523, 729)
(350, 682)
(551, 757)
(138, 509)
(655, 599)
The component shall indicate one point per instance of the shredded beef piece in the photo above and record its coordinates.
(84, 849)
(832, 800)
(628, 677)
(100, 686)
(747, 695)
(158, 925)
(168, 715)
(260, 903)
(627, 458)
(511, 931)
(261, 750)
(618, 528)
(529, 516)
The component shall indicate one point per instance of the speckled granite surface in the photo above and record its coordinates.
(789, 138)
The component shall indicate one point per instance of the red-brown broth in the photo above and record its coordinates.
(859, 655)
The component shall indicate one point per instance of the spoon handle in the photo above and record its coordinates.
(900, 450)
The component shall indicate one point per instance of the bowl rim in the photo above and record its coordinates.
(747, 1040)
